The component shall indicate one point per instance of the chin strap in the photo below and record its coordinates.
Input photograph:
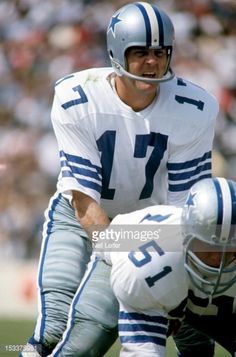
(122, 72)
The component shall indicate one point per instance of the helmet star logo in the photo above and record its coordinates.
(114, 21)
(190, 198)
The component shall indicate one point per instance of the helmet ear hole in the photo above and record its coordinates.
(111, 53)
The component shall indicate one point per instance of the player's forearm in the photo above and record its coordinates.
(90, 215)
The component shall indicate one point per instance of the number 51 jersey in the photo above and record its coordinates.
(150, 275)
(128, 160)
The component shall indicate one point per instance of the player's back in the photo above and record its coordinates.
(151, 277)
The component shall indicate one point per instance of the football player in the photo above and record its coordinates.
(187, 273)
(129, 136)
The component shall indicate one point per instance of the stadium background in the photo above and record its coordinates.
(41, 41)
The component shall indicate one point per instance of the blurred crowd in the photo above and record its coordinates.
(41, 41)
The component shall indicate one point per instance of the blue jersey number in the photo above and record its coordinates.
(181, 100)
(198, 103)
(150, 280)
(106, 144)
(159, 143)
(82, 98)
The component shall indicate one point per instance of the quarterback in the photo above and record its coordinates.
(129, 136)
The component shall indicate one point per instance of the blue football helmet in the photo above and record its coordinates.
(209, 216)
(143, 25)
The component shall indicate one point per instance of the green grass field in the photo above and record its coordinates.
(15, 333)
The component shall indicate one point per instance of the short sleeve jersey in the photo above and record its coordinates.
(153, 277)
(128, 160)
(152, 285)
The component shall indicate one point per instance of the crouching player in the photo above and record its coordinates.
(188, 277)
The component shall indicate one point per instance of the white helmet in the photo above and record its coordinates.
(209, 215)
(139, 24)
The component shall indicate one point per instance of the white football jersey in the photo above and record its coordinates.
(129, 160)
(153, 258)
(152, 285)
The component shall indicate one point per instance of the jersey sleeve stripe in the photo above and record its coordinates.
(183, 175)
(80, 171)
(187, 185)
(85, 183)
(188, 164)
(143, 339)
(142, 327)
(137, 316)
(91, 185)
(79, 160)
(71, 168)
(189, 174)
